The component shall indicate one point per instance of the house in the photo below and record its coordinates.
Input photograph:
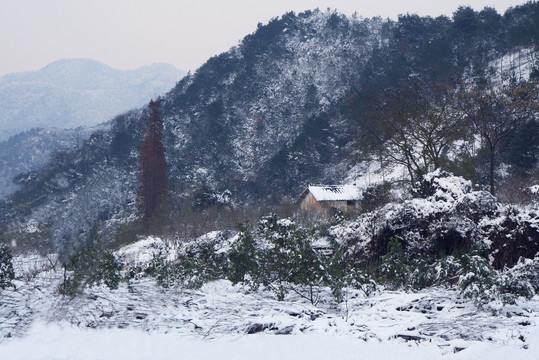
(325, 199)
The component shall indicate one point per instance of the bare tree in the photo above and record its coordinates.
(415, 125)
(495, 112)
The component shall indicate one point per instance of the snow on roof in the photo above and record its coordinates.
(335, 192)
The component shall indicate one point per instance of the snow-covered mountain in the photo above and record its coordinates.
(269, 116)
(77, 92)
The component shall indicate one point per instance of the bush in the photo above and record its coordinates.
(511, 287)
(7, 274)
(421, 274)
(288, 262)
(341, 274)
(477, 279)
(394, 266)
(482, 283)
(475, 276)
(163, 270)
(284, 261)
(447, 271)
(375, 196)
(201, 265)
(91, 265)
(191, 269)
(243, 259)
(528, 269)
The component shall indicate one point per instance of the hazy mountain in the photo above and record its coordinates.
(79, 92)
(270, 115)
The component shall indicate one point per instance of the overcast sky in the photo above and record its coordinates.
(126, 34)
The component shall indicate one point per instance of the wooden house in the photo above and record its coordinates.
(325, 199)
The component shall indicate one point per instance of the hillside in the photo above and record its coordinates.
(29, 151)
(77, 92)
(284, 108)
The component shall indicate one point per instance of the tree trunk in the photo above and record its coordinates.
(492, 165)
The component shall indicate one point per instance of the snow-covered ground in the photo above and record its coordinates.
(58, 343)
(221, 321)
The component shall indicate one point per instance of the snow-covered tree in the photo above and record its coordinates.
(6, 267)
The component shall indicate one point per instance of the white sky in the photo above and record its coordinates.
(126, 34)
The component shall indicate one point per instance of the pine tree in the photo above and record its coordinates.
(152, 166)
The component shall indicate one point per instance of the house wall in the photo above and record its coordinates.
(309, 203)
(325, 208)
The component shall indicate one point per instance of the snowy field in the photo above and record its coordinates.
(59, 343)
(221, 321)
(142, 320)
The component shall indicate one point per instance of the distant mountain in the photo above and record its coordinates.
(269, 116)
(77, 92)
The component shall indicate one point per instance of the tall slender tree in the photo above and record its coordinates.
(152, 166)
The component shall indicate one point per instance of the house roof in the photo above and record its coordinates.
(334, 192)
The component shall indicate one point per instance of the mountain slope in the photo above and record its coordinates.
(71, 93)
(265, 118)
(275, 96)
(29, 151)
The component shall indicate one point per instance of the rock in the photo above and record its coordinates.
(140, 316)
(285, 331)
(257, 327)
(409, 337)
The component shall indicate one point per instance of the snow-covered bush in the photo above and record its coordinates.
(482, 283)
(421, 274)
(341, 274)
(91, 265)
(436, 225)
(478, 279)
(279, 256)
(447, 270)
(7, 274)
(191, 267)
(511, 286)
(161, 269)
(244, 262)
(513, 234)
(449, 235)
(393, 268)
(286, 259)
(451, 220)
(528, 269)
(475, 276)
(200, 265)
